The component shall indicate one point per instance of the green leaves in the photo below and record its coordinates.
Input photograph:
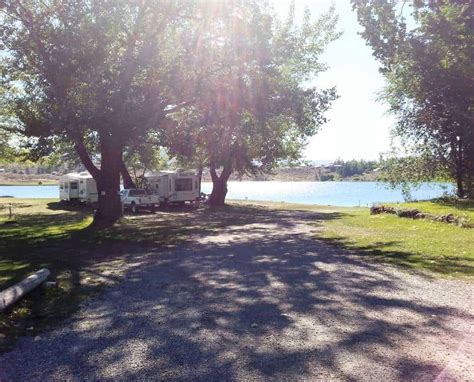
(257, 106)
(430, 84)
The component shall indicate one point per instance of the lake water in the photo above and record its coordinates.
(324, 193)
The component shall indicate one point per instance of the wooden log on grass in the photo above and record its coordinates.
(10, 295)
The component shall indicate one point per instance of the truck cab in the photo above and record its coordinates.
(135, 199)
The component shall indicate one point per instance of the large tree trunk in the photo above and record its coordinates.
(218, 194)
(127, 179)
(199, 174)
(219, 185)
(460, 169)
(108, 186)
(460, 186)
(107, 180)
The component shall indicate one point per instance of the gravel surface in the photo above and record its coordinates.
(261, 301)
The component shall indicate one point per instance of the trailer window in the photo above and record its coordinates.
(66, 186)
(185, 184)
(73, 185)
(61, 186)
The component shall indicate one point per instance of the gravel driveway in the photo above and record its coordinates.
(260, 301)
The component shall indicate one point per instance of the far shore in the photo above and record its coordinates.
(46, 183)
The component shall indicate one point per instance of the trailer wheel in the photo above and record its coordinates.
(133, 208)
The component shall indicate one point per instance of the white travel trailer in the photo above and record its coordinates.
(78, 187)
(175, 187)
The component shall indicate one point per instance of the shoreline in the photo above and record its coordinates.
(28, 184)
(348, 180)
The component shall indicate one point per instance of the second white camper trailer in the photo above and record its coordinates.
(175, 187)
(78, 187)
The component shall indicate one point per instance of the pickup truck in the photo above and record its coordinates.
(134, 199)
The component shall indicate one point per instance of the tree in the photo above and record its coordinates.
(354, 167)
(7, 152)
(261, 103)
(430, 84)
(410, 171)
(145, 158)
(99, 71)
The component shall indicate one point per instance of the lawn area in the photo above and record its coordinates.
(41, 235)
(422, 244)
(36, 222)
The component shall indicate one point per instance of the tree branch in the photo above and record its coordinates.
(85, 157)
(212, 170)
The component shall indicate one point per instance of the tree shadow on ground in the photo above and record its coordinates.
(248, 294)
(382, 252)
(40, 240)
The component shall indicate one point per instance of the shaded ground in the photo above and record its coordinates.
(255, 297)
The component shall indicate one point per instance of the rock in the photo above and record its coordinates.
(407, 213)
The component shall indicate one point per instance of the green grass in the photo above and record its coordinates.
(438, 247)
(41, 234)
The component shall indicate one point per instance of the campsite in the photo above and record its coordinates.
(241, 190)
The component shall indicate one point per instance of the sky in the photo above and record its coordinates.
(358, 127)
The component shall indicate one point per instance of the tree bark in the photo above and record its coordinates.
(459, 169)
(107, 179)
(127, 179)
(10, 295)
(85, 157)
(460, 187)
(219, 185)
(108, 186)
(200, 170)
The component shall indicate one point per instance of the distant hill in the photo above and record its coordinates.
(328, 172)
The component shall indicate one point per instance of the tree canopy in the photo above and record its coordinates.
(95, 71)
(221, 84)
(427, 58)
(261, 103)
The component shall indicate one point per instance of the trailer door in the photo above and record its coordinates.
(165, 187)
(74, 189)
(185, 190)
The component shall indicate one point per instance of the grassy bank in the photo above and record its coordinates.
(438, 247)
(45, 233)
